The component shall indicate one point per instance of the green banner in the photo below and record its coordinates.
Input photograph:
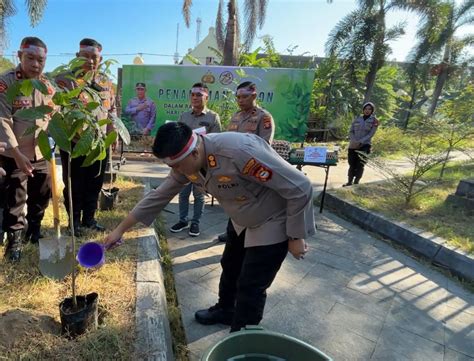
(285, 93)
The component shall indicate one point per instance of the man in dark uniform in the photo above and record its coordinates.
(269, 202)
(250, 119)
(27, 172)
(204, 119)
(87, 181)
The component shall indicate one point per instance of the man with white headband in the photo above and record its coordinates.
(87, 181)
(250, 119)
(204, 120)
(27, 179)
(269, 202)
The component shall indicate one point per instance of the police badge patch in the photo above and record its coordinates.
(262, 173)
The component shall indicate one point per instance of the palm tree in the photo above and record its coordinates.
(438, 41)
(7, 9)
(361, 37)
(228, 37)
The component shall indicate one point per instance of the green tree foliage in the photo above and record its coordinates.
(5, 65)
(439, 42)
(457, 122)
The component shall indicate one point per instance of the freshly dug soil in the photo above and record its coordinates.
(20, 326)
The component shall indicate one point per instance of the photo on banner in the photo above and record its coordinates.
(153, 94)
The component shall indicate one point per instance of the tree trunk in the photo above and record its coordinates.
(230, 45)
(410, 108)
(378, 55)
(73, 237)
(448, 153)
(441, 80)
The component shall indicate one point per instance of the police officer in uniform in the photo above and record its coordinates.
(362, 130)
(87, 181)
(201, 118)
(27, 178)
(250, 119)
(142, 110)
(270, 204)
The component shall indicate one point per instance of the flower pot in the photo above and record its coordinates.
(76, 322)
(107, 198)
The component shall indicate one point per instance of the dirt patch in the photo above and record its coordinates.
(19, 326)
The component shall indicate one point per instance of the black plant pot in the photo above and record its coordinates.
(76, 322)
(108, 198)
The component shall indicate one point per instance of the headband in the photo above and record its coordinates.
(188, 148)
(33, 49)
(200, 90)
(245, 91)
(90, 49)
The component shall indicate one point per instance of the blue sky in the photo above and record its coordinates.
(149, 26)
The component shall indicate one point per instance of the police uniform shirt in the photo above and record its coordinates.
(207, 118)
(362, 130)
(259, 190)
(12, 127)
(257, 121)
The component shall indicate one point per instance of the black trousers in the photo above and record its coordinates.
(86, 183)
(246, 275)
(20, 189)
(357, 162)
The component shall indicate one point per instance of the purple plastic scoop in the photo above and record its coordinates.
(92, 254)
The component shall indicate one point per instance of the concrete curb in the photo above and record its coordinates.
(153, 331)
(421, 242)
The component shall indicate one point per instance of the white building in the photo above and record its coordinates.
(203, 53)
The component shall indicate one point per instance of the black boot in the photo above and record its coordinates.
(13, 249)
(215, 314)
(349, 183)
(33, 233)
(223, 237)
(93, 225)
(356, 181)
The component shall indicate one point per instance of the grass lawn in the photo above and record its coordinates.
(430, 210)
(29, 302)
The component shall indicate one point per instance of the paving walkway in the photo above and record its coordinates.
(353, 296)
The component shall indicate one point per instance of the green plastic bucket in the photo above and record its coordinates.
(256, 344)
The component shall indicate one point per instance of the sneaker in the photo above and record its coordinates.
(214, 314)
(178, 227)
(194, 230)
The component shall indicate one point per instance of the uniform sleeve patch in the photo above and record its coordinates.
(262, 173)
(257, 170)
(248, 167)
(3, 86)
(267, 122)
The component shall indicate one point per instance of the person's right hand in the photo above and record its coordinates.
(112, 240)
(2, 172)
(3, 145)
(23, 164)
(141, 106)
